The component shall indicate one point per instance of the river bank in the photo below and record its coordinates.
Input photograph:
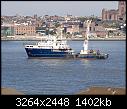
(10, 91)
(103, 91)
(89, 91)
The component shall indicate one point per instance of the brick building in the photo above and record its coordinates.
(98, 29)
(72, 29)
(24, 30)
(118, 14)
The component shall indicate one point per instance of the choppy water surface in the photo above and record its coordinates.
(62, 76)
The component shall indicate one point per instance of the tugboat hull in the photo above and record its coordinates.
(102, 56)
(92, 56)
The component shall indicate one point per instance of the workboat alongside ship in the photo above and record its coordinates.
(54, 47)
(90, 54)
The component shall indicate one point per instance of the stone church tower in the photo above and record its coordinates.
(121, 9)
(119, 14)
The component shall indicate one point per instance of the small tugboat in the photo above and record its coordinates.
(88, 54)
(52, 47)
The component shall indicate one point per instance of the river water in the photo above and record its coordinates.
(62, 76)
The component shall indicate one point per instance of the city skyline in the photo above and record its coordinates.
(61, 8)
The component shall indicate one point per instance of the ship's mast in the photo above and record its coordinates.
(88, 28)
(61, 34)
(85, 45)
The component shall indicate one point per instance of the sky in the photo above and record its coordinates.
(60, 8)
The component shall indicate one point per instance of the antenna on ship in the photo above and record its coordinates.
(61, 34)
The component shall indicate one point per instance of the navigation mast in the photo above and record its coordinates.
(85, 44)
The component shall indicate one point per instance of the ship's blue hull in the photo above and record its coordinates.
(46, 53)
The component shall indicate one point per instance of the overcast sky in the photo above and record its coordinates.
(61, 8)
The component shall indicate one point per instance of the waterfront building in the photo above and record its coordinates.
(96, 29)
(25, 30)
(72, 29)
(113, 14)
(91, 28)
(35, 16)
(38, 23)
(7, 31)
(41, 30)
